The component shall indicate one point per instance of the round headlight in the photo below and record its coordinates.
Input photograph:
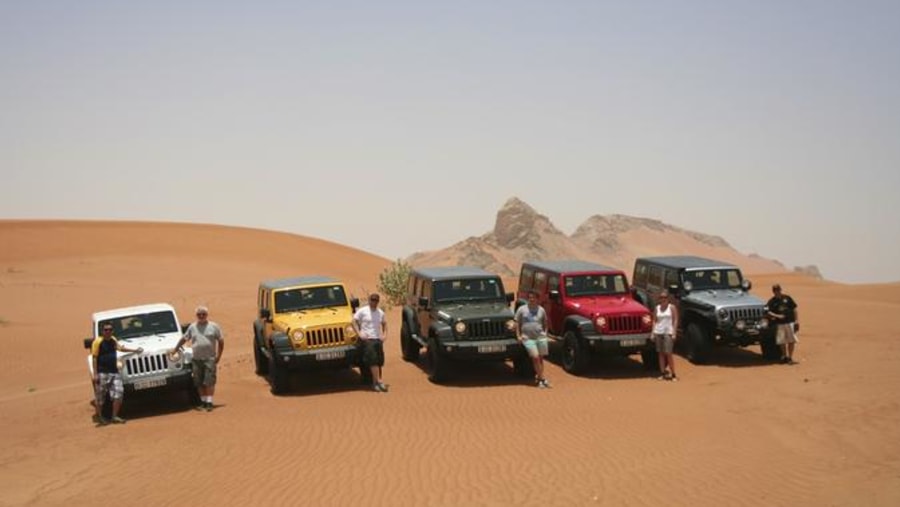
(601, 321)
(763, 324)
(740, 325)
(723, 314)
(688, 286)
(510, 325)
(174, 356)
(646, 319)
(120, 365)
(297, 335)
(460, 327)
(349, 331)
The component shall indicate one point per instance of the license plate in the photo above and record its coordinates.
(632, 342)
(491, 349)
(149, 384)
(328, 356)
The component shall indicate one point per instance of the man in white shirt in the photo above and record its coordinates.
(371, 327)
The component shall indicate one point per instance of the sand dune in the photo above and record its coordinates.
(736, 432)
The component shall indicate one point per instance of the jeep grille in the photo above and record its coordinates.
(325, 337)
(624, 324)
(146, 365)
(750, 314)
(479, 330)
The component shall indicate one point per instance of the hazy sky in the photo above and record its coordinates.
(403, 126)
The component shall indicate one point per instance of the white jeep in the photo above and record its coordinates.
(155, 329)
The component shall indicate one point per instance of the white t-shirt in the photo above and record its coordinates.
(369, 323)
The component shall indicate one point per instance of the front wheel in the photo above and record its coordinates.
(260, 361)
(437, 364)
(409, 347)
(523, 366)
(650, 359)
(770, 349)
(697, 344)
(575, 357)
(278, 376)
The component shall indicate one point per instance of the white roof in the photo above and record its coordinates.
(132, 310)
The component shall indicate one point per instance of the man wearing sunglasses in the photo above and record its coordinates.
(107, 379)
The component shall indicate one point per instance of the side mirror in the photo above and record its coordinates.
(88, 342)
(423, 303)
(354, 304)
(510, 297)
(265, 314)
(746, 285)
(554, 296)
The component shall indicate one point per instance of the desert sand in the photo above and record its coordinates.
(736, 432)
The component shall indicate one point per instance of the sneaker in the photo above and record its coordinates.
(208, 406)
(785, 360)
(384, 387)
(101, 421)
(117, 420)
(673, 378)
(546, 383)
(378, 388)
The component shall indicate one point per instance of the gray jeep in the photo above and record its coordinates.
(713, 300)
(459, 313)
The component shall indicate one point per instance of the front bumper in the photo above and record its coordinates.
(344, 356)
(619, 343)
(505, 348)
(174, 382)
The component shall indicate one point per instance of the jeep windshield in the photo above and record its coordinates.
(298, 300)
(145, 324)
(713, 279)
(470, 289)
(594, 285)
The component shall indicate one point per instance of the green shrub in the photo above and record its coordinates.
(392, 283)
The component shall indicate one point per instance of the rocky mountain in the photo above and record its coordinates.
(521, 233)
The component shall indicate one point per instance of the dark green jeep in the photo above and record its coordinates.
(459, 313)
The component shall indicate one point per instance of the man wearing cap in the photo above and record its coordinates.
(208, 344)
(782, 311)
(371, 327)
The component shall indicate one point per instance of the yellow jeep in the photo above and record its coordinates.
(304, 323)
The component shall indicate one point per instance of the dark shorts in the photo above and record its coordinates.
(204, 371)
(372, 353)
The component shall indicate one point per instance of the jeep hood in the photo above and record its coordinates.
(313, 318)
(724, 298)
(153, 342)
(605, 305)
(468, 311)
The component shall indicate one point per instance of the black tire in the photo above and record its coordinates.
(575, 359)
(696, 344)
(650, 359)
(437, 364)
(770, 350)
(523, 366)
(278, 376)
(409, 347)
(260, 361)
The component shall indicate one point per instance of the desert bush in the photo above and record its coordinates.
(392, 282)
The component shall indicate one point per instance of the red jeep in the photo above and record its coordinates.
(590, 311)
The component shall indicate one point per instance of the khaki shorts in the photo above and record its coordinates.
(665, 343)
(785, 334)
(537, 347)
(204, 371)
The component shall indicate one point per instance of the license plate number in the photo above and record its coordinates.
(491, 349)
(328, 356)
(632, 342)
(149, 384)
